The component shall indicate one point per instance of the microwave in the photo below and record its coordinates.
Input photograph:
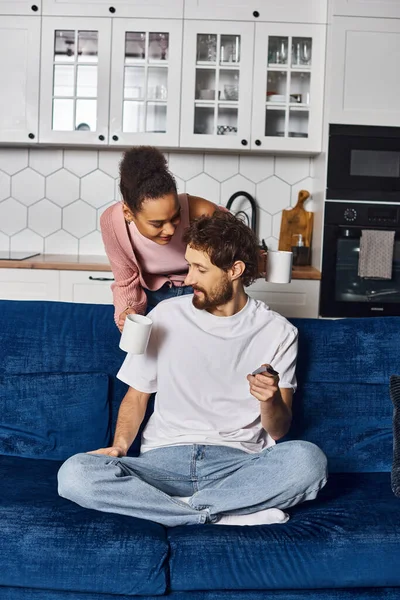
(363, 163)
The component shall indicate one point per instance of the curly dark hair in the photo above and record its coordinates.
(144, 174)
(225, 239)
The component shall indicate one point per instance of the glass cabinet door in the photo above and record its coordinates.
(145, 82)
(216, 86)
(288, 87)
(74, 80)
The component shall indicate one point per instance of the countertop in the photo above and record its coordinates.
(65, 262)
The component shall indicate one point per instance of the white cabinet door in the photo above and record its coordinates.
(118, 8)
(75, 80)
(89, 287)
(299, 298)
(216, 84)
(29, 284)
(363, 63)
(19, 72)
(20, 7)
(367, 8)
(292, 11)
(288, 87)
(146, 82)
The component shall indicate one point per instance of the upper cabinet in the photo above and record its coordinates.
(19, 71)
(364, 71)
(145, 82)
(286, 11)
(114, 8)
(20, 7)
(367, 8)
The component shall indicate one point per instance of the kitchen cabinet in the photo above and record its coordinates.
(288, 87)
(363, 63)
(299, 298)
(92, 287)
(293, 11)
(145, 82)
(19, 71)
(367, 8)
(20, 7)
(117, 8)
(29, 284)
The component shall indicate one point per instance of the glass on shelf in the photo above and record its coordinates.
(158, 46)
(230, 49)
(300, 87)
(63, 115)
(87, 46)
(86, 82)
(63, 80)
(229, 85)
(276, 86)
(204, 120)
(86, 115)
(278, 50)
(275, 123)
(64, 46)
(227, 120)
(133, 117)
(206, 48)
(134, 83)
(135, 46)
(301, 52)
(298, 122)
(205, 84)
(157, 83)
(156, 117)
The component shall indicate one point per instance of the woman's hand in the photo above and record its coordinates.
(122, 317)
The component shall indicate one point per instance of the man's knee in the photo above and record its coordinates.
(312, 464)
(72, 478)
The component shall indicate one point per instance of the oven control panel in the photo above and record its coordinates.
(382, 216)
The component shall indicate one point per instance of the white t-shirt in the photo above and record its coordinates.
(198, 362)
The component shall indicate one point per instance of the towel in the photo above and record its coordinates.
(376, 254)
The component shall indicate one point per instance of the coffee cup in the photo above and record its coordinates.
(135, 334)
(279, 266)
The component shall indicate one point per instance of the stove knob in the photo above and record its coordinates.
(350, 215)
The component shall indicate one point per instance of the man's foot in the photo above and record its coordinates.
(261, 517)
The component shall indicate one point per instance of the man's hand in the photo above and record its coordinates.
(122, 317)
(112, 451)
(264, 386)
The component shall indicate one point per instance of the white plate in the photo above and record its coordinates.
(277, 98)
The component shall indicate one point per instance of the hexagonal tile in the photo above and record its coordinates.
(185, 165)
(304, 184)
(221, 166)
(180, 185)
(12, 216)
(100, 212)
(45, 160)
(5, 185)
(264, 224)
(273, 195)
(109, 162)
(292, 168)
(205, 187)
(27, 186)
(4, 242)
(276, 225)
(44, 217)
(27, 240)
(80, 162)
(61, 242)
(62, 187)
(13, 160)
(79, 219)
(117, 193)
(92, 244)
(256, 168)
(238, 183)
(272, 243)
(97, 188)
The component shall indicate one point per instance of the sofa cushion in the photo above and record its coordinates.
(395, 397)
(53, 415)
(49, 542)
(348, 537)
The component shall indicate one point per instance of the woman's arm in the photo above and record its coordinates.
(200, 206)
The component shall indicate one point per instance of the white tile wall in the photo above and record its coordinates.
(51, 199)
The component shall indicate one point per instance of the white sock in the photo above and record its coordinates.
(261, 517)
(182, 498)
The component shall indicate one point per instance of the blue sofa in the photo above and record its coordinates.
(59, 396)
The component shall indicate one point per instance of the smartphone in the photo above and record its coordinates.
(264, 369)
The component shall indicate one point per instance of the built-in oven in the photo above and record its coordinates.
(343, 292)
(364, 163)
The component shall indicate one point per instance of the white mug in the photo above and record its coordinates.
(135, 334)
(279, 266)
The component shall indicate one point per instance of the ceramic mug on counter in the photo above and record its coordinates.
(279, 266)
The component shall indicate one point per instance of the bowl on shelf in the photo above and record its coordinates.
(276, 98)
(231, 92)
(207, 94)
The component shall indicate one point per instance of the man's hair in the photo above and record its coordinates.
(225, 239)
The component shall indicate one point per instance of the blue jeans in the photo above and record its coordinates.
(218, 479)
(165, 292)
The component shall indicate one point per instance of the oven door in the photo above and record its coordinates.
(364, 167)
(343, 292)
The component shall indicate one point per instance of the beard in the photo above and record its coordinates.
(221, 294)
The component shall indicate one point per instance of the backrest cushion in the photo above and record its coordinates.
(395, 397)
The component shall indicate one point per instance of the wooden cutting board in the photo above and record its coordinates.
(294, 221)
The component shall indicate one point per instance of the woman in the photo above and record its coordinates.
(143, 234)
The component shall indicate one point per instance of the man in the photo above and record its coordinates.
(208, 452)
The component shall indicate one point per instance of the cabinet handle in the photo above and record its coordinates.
(101, 138)
(112, 9)
(244, 142)
(31, 136)
(115, 138)
(258, 142)
(256, 14)
(101, 278)
(34, 8)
